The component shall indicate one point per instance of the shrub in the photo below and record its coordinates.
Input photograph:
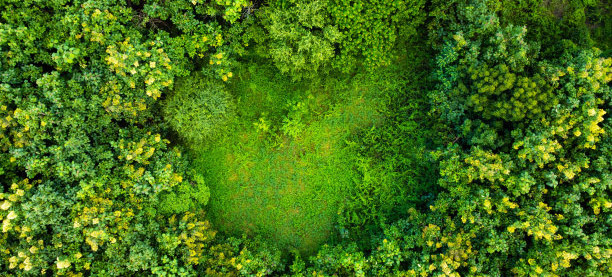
(306, 38)
(84, 158)
(370, 29)
(300, 39)
(198, 108)
(523, 184)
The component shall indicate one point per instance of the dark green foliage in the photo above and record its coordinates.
(599, 23)
(301, 40)
(511, 175)
(370, 29)
(306, 38)
(328, 137)
(557, 24)
(553, 26)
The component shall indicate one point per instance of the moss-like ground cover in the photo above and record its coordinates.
(286, 182)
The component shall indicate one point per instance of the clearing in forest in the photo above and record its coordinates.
(284, 178)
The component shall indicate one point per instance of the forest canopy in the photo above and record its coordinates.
(306, 137)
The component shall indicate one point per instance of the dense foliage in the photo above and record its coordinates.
(198, 108)
(305, 137)
(309, 38)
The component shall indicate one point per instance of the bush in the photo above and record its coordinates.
(306, 38)
(198, 108)
(300, 39)
(523, 183)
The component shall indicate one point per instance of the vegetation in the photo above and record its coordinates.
(296, 137)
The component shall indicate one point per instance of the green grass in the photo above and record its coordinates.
(286, 188)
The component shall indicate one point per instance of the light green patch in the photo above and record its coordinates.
(287, 187)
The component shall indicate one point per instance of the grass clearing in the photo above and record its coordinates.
(286, 186)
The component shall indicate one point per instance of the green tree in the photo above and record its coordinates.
(85, 159)
(305, 38)
(519, 179)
